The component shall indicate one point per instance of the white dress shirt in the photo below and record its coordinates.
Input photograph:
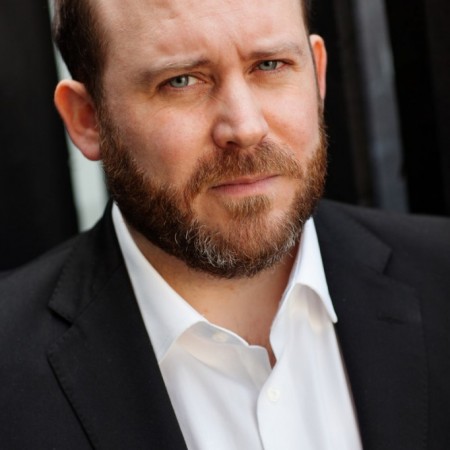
(223, 390)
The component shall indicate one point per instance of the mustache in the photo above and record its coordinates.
(266, 158)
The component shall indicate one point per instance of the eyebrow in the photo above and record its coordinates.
(188, 65)
(146, 76)
(289, 47)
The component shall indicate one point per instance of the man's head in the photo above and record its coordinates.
(209, 126)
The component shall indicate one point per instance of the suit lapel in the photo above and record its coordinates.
(104, 362)
(380, 333)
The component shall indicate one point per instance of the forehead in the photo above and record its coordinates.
(160, 27)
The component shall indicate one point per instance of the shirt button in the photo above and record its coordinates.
(273, 394)
(220, 337)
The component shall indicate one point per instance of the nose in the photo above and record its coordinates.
(240, 121)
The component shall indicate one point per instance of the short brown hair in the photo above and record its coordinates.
(81, 41)
(80, 38)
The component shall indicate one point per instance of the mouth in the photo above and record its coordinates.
(249, 185)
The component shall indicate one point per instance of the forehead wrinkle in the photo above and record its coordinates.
(122, 23)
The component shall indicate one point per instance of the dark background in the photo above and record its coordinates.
(391, 154)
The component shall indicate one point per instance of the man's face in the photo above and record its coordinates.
(211, 128)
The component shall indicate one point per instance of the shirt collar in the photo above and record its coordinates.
(308, 269)
(167, 315)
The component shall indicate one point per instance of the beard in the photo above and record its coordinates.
(251, 240)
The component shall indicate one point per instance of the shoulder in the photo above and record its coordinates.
(418, 232)
(26, 291)
(36, 281)
(381, 217)
(410, 249)
(67, 273)
(33, 277)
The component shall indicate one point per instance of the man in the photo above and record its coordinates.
(207, 309)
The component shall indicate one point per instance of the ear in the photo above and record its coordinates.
(79, 115)
(320, 59)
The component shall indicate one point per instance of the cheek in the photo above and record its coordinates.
(296, 123)
(166, 147)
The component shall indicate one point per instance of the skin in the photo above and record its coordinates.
(184, 78)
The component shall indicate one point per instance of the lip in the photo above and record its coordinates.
(245, 185)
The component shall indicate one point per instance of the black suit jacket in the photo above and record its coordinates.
(78, 371)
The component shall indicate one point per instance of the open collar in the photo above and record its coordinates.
(167, 315)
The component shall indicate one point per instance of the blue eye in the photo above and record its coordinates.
(269, 65)
(181, 81)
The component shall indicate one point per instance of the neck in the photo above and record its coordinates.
(246, 306)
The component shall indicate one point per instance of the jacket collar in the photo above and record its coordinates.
(104, 361)
(380, 332)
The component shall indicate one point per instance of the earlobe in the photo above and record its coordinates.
(319, 52)
(79, 115)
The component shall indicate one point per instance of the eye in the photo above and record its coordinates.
(182, 81)
(269, 65)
